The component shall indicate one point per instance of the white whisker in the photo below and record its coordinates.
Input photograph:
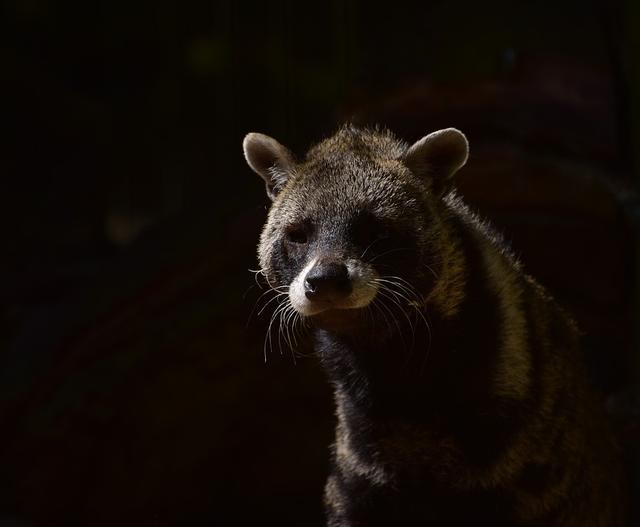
(399, 292)
(389, 252)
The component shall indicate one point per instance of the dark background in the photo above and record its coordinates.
(133, 389)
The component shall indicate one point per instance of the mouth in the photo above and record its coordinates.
(333, 306)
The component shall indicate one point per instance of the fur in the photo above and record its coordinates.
(459, 387)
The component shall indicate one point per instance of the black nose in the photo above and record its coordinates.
(327, 280)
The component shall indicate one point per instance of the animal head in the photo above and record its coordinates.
(359, 218)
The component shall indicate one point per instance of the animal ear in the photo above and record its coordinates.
(438, 156)
(270, 160)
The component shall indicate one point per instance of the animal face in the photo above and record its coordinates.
(355, 220)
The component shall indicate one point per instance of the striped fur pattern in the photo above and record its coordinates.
(460, 392)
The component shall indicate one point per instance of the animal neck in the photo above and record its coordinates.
(461, 361)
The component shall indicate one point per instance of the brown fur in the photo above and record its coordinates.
(493, 419)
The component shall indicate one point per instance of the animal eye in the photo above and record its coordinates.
(297, 235)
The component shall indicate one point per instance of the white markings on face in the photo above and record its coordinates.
(364, 289)
(299, 300)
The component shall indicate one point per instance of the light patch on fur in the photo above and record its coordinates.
(449, 290)
(350, 462)
(279, 177)
(297, 296)
(333, 498)
(513, 370)
(364, 289)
